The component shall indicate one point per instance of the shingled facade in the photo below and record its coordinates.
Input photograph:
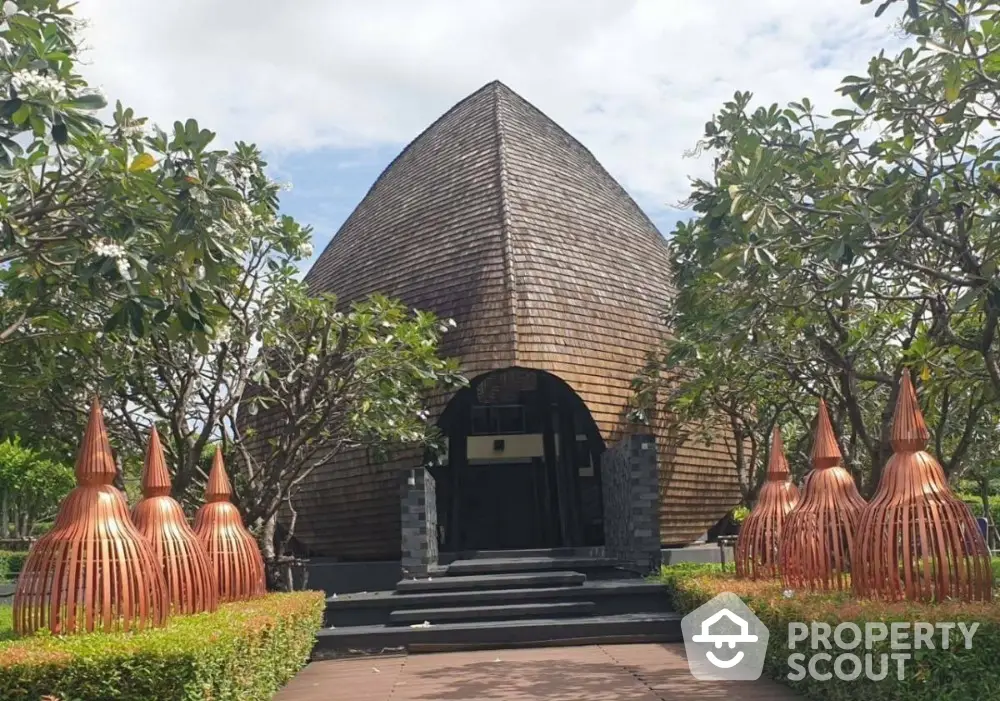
(497, 218)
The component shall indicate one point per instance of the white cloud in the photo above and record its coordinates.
(635, 81)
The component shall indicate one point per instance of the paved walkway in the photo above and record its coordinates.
(650, 672)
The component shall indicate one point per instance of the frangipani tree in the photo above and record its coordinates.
(833, 249)
(124, 213)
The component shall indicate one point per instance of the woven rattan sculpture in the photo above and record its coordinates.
(916, 540)
(757, 548)
(186, 566)
(818, 536)
(93, 570)
(239, 567)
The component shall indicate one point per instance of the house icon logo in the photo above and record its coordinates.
(724, 640)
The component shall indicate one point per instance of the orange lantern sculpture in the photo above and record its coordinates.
(186, 566)
(93, 569)
(757, 547)
(818, 536)
(916, 540)
(239, 567)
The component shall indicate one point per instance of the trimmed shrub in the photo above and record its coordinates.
(975, 504)
(931, 675)
(11, 563)
(245, 651)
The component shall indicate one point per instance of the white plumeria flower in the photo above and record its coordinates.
(109, 249)
(245, 214)
(305, 250)
(788, 593)
(32, 81)
(134, 130)
(9, 8)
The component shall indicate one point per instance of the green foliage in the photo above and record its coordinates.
(975, 503)
(830, 251)
(953, 673)
(740, 514)
(10, 566)
(112, 232)
(335, 380)
(31, 486)
(243, 652)
(140, 219)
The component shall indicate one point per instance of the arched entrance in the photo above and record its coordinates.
(522, 468)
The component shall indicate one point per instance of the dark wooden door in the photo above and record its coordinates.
(503, 507)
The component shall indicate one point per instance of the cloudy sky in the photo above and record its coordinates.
(333, 89)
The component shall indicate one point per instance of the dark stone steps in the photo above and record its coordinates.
(599, 589)
(633, 627)
(516, 580)
(597, 551)
(491, 613)
(528, 564)
(609, 597)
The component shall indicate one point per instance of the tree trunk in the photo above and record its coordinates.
(4, 517)
(984, 494)
(267, 548)
(119, 481)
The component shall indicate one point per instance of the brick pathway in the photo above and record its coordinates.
(651, 672)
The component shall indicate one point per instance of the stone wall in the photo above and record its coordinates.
(418, 501)
(630, 482)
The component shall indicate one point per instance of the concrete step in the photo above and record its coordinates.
(609, 597)
(509, 565)
(589, 630)
(491, 613)
(491, 581)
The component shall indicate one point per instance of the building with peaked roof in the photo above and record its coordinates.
(499, 219)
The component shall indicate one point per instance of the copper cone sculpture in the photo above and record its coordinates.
(239, 568)
(818, 536)
(916, 540)
(757, 547)
(93, 569)
(186, 566)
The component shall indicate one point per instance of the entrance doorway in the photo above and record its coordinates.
(522, 467)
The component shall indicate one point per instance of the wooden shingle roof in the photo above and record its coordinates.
(497, 218)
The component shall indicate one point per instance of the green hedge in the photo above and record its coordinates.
(243, 652)
(11, 564)
(955, 674)
(976, 505)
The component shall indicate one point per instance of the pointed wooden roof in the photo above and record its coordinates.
(496, 217)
